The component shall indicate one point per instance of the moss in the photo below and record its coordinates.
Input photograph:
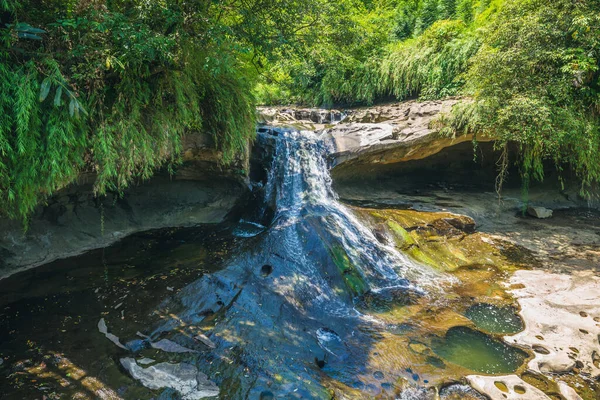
(437, 240)
(352, 277)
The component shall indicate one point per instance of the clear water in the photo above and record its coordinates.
(478, 352)
(495, 319)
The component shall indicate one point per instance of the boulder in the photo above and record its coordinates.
(539, 212)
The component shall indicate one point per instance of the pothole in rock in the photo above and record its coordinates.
(478, 352)
(266, 270)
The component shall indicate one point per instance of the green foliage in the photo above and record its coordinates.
(112, 87)
(430, 66)
(530, 66)
(464, 11)
(430, 12)
(535, 82)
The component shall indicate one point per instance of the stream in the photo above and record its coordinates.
(299, 298)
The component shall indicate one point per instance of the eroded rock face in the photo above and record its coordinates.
(301, 116)
(509, 387)
(75, 220)
(391, 133)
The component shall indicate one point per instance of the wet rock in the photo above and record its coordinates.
(462, 223)
(539, 212)
(387, 299)
(415, 393)
(204, 339)
(331, 342)
(170, 347)
(380, 235)
(184, 378)
(460, 392)
(136, 345)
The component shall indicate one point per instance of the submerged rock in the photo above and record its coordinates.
(495, 319)
(478, 352)
(170, 347)
(104, 330)
(460, 392)
(184, 378)
(539, 212)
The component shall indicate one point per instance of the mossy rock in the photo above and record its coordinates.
(443, 240)
(353, 279)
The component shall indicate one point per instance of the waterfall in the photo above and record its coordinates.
(299, 184)
(296, 299)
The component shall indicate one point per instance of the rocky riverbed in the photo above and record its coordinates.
(401, 274)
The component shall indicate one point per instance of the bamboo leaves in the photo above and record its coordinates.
(57, 97)
(58, 81)
(45, 88)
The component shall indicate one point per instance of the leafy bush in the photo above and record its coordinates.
(535, 82)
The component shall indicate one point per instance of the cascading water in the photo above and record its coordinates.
(288, 303)
(299, 185)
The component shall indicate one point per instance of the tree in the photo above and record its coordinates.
(429, 13)
(464, 11)
(448, 9)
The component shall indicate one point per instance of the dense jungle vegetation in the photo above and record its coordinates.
(110, 86)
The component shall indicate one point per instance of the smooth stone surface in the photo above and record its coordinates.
(184, 378)
(559, 308)
(568, 392)
(516, 388)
